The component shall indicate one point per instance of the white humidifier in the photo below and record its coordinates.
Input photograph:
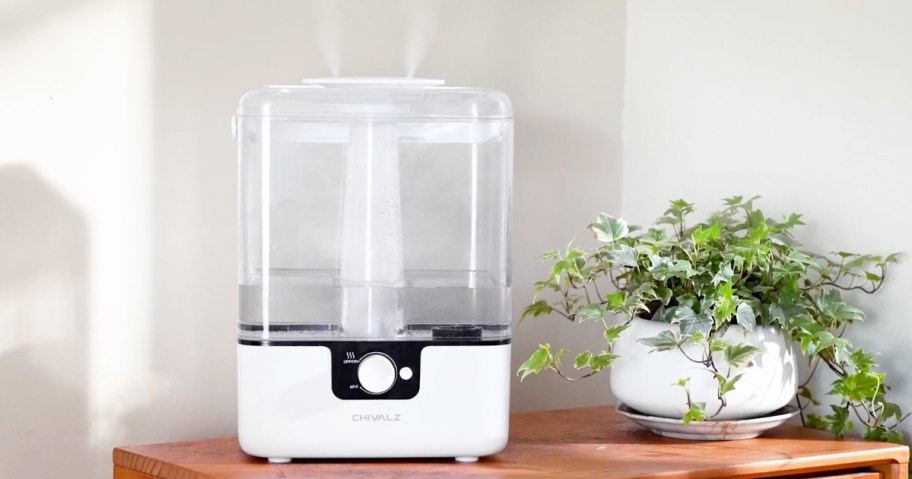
(374, 270)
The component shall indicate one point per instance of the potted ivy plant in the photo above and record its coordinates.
(712, 315)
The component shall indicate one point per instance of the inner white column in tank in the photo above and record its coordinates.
(371, 256)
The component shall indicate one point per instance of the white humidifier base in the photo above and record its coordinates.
(373, 399)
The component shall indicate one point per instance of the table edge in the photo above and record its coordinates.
(126, 458)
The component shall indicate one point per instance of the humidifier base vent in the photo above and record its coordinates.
(449, 401)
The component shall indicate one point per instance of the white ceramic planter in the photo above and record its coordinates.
(646, 381)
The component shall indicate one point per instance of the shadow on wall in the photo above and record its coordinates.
(43, 342)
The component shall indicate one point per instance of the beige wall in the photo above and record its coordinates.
(117, 189)
(117, 181)
(807, 103)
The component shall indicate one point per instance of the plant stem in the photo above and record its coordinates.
(810, 374)
(800, 410)
(568, 378)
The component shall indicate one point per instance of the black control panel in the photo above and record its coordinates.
(347, 357)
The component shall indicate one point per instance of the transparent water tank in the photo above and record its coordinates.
(374, 209)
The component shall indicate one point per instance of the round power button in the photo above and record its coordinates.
(376, 373)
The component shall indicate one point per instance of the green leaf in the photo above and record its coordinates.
(837, 422)
(536, 309)
(664, 341)
(542, 285)
(662, 315)
(687, 299)
(806, 393)
(700, 235)
(875, 433)
(693, 338)
(697, 412)
(574, 259)
(625, 255)
(728, 385)
(613, 332)
(891, 410)
(831, 305)
(841, 349)
(882, 433)
(717, 344)
(745, 316)
(556, 356)
(739, 355)
(724, 303)
(733, 201)
(781, 239)
(664, 294)
(602, 360)
(659, 267)
(549, 255)
(794, 219)
(724, 275)
(757, 221)
(692, 323)
(812, 344)
(682, 266)
(538, 361)
(583, 360)
(615, 300)
(858, 261)
(816, 421)
(804, 323)
(681, 312)
(590, 312)
(657, 235)
(608, 229)
(715, 230)
(680, 208)
(858, 387)
(796, 256)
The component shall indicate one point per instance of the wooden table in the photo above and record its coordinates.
(570, 443)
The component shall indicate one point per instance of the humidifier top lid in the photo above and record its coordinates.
(374, 82)
(351, 98)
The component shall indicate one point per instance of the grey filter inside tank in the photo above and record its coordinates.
(371, 254)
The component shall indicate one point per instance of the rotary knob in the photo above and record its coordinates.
(376, 373)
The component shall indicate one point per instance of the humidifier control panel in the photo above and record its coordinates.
(376, 369)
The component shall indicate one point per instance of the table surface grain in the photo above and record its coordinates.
(568, 443)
